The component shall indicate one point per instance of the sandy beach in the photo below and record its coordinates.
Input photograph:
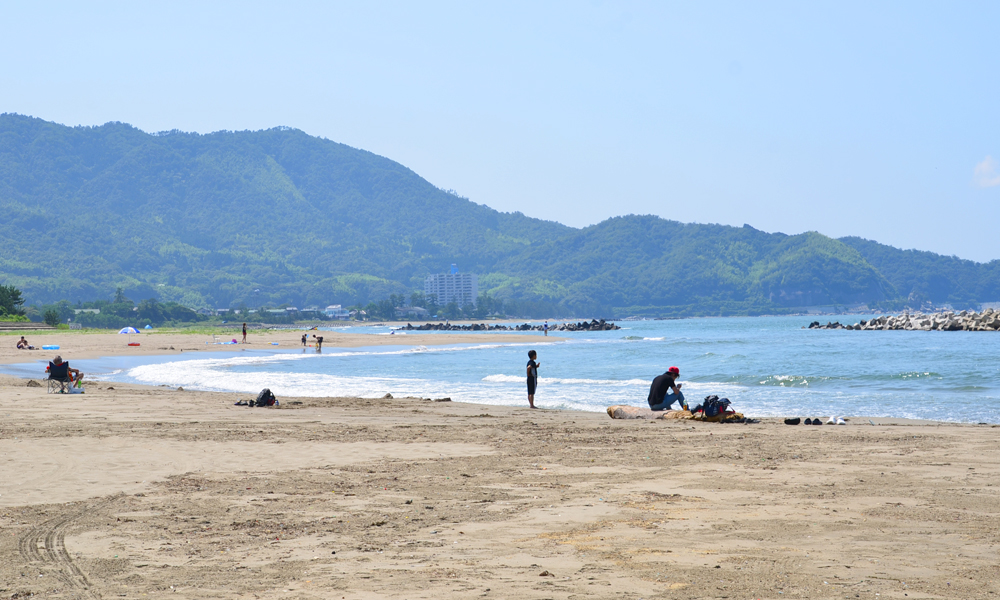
(130, 491)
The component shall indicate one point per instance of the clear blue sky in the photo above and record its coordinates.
(874, 119)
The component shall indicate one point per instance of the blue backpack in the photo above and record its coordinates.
(713, 405)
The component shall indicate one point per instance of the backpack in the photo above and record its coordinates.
(265, 398)
(713, 405)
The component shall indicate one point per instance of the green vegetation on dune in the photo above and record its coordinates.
(277, 216)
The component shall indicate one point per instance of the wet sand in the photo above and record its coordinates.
(131, 491)
(83, 345)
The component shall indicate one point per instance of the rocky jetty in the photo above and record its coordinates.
(988, 320)
(593, 325)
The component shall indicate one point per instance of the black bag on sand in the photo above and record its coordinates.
(265, 398)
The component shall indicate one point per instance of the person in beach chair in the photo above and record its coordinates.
(61, 376)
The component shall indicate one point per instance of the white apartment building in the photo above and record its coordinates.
(460, 288)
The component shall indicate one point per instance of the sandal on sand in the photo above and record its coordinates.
(794, 421)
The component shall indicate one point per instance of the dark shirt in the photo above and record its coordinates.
(533, 373)
(661, 385)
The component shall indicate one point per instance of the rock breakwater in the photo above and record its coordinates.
(988, 320)
(593, 325)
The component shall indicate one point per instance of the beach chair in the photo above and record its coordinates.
(59, 379)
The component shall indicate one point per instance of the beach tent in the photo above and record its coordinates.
(129, 331)
(148, 327)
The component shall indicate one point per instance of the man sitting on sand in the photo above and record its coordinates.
(658, 398)
(22, 344)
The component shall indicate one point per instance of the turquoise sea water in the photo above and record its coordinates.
(767, 366)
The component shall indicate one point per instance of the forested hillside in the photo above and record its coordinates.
(205, 220)
(928, 277)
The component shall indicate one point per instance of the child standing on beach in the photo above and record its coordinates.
(532, 376)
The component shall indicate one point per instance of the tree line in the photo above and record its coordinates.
(121, 311)
(486, 306)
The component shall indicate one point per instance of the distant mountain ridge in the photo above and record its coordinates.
(206, 220)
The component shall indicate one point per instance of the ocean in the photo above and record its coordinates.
(767, 367)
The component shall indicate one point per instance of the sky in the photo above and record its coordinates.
(880, 120)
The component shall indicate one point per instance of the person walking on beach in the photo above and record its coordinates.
(658, 398)
(244, 333)
(546, 328)
(319, 342)
(532, 376)
(304, 338)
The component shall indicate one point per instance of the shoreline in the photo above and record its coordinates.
(87, 345)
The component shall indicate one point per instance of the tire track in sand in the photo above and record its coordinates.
(46, 544)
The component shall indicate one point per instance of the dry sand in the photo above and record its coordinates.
(137, 492)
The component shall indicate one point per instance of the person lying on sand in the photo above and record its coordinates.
(658, 397)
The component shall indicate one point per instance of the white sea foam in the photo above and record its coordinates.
(565, 381)
(788, 372)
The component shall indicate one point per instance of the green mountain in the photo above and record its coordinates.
(205, 220)
(927, 277)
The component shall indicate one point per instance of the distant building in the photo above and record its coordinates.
(460, 288)
(335, 311)
(414, 312)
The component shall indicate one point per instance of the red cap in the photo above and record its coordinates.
(674, 370)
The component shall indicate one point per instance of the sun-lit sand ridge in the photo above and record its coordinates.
(136, 490)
